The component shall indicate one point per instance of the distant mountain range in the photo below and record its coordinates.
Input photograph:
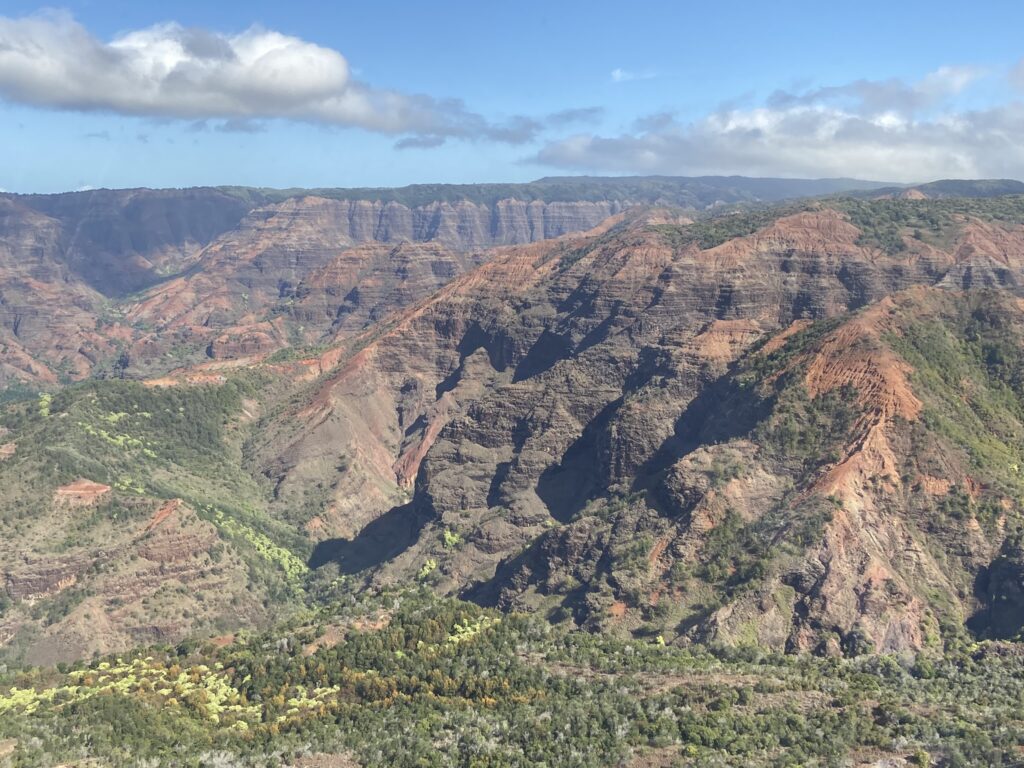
(697, 192)
(951, 188)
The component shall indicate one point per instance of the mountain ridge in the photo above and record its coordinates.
(542, 429)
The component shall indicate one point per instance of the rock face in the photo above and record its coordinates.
(531, 429)
(230, 281)
(119, 241)
(42, 306)
(795, 427)
(239, 260)
(63, 257)
(293, 270)
(576, 321)
(320, 266)
(459, 226)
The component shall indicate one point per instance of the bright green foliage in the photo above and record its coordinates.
(470, 629)
(429, 566)
(294, 568)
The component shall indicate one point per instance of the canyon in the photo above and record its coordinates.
(790, 425)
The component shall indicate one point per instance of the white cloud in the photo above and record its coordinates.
(625, 75)
(169, 71)
(887, 130)
(946, 81)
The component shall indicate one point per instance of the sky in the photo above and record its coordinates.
(118, 93)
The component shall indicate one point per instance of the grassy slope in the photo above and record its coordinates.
(147, 444)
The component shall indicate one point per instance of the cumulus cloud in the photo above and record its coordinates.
(170, 71)
(888, 130)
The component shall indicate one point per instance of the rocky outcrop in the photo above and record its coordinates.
(81, 493)
(557, 378)
(39, 578)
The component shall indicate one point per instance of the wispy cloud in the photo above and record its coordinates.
(517, 130)
(890, 129)
(866, 97)
(626, 76)
(238, 125)
(169, 71)
(420, 142)
(1017, 75)
(579, 115)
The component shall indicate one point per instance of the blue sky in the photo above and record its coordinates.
(390, 93)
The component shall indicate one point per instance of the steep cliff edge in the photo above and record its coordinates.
(522, 436)
(796, 426)
(220, 271)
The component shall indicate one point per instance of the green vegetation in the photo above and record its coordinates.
(885, 223)
(697, 193)
(294, 568)
(146, 444)
(115, 429)
(969, 370)
(429, 566)
(719, 228)
(445, 683)
(291, 354)
(728, 504)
